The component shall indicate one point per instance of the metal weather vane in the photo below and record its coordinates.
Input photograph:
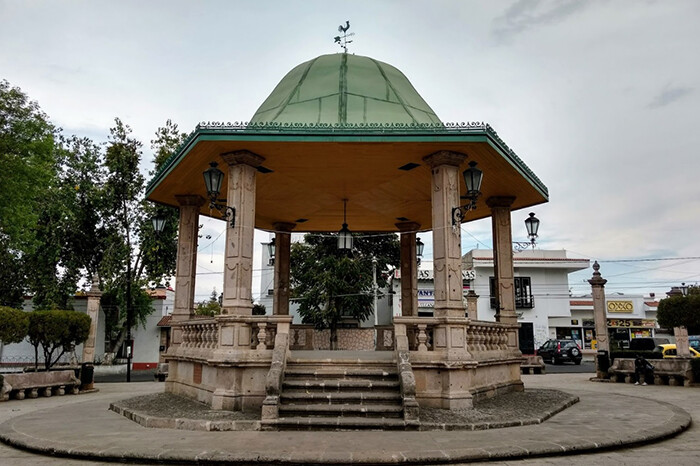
(342, 39)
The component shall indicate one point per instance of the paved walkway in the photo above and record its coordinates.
(608, 416)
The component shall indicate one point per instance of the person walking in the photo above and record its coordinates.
(642, 368)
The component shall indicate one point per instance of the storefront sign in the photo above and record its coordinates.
(627, 323)
(620, 306)
(428, 274)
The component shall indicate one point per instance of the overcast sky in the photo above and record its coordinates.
(599, 98)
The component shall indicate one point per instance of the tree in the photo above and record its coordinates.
(27, 167)
(680, 311)
(13, 325)
(330, 285)
(211, 307)
(27, 164)
(134, 254)
(57, 331)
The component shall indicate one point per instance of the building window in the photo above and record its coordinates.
(523, 293)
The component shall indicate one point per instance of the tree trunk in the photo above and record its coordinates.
(118, 342)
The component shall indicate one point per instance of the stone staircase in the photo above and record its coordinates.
(341, 394)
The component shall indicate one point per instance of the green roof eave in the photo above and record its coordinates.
(287, 132)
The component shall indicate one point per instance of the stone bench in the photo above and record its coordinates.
(671, 371)
(32, 384)
(532, 365)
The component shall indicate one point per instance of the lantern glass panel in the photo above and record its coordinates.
(213, 177)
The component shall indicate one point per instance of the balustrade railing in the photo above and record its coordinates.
(481, 337)
(200, 334)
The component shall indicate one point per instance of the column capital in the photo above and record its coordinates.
(190, 199)
(445, 157)
(597, 279)
(243, 157)
(500, 201)
(407, 227)
(284, 227)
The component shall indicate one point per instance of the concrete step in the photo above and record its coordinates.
(345, 410)
(337, 372)
(357, 397)
(336, 385)
(338, 423)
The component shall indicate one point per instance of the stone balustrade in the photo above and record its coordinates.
(200, 333)
(482, 338)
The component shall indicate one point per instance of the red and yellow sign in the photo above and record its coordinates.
(620, 306)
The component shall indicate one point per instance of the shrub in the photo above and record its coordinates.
(13, 325)
(56, 332)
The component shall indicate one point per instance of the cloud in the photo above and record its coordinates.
(526, 14)
(669, 95)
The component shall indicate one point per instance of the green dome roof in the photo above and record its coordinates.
(342, 88)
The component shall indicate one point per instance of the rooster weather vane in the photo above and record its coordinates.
(342, 39)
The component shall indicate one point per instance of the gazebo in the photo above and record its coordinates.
(344, 139)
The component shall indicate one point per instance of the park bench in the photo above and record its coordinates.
(32, 384)
(532, 365)
(671, 371)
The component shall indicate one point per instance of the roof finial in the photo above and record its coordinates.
(342, 40)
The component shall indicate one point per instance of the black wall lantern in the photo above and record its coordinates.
(419, 249)
(158, 223)
(213, 177)
(472, 179)
(532, 224)
(344, 235)
(271, 252)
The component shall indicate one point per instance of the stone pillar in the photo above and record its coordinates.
(409, 269)
(447, 239)
(597, 283)
(503, 258)
(238, 261)
(283, 242)
(93, 311)
(186, 268)
(682, 345)
(472, 299)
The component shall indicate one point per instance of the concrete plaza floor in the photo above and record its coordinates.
(619, 416)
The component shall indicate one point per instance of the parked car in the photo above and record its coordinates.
(694, 341)
(647, 343)
(558, 351)
(669, 351)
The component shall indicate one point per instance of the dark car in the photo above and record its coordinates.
(647, 343)
(558, 351)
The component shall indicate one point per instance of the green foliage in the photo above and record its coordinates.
(259, 309)
(12, 279)
(14, 324)
(211, 308)
(56, 331)
(679, 311)
(330, 285)
(27, 165)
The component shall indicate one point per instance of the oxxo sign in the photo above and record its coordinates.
(620, 306)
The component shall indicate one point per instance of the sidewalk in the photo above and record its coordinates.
(609, 416)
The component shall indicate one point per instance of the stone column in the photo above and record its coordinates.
(93, 311)
(186, 268)
(409, 269)
(447, 239)
(503, 258)
(472, 299)
(682, 345)
(238, 261)
(597, 283)
(283, 242)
